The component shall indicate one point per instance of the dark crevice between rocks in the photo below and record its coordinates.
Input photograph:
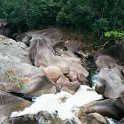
(27, 97)
(92, 69)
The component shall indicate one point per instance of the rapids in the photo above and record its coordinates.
(64, 104)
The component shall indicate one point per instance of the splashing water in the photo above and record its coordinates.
(111, 121)
(64, 103)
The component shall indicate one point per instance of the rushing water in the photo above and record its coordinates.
(112, 121)
(64, 103)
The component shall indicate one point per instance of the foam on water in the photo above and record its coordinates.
(64, 103)
(111, 121)
(94, 78)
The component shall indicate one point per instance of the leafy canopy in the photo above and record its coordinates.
(96, 16)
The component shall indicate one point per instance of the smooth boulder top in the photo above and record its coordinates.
(16, 70)
(13, 50)
(110, 81)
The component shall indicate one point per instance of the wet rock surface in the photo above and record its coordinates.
(40, 118)
(94, 118)
(110, 80)
(105, 108)
(47, 60)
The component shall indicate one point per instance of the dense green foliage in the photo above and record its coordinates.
(114, 34)
(112, 37)
(96, 16)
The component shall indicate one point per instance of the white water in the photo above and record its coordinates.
(111, 121)
(94, 79)
(64, 103)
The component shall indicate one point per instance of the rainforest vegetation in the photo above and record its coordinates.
(90, 16)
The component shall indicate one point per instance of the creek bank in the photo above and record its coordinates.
(110, 80)
(50, 52)
(62, 102)
(17, 74)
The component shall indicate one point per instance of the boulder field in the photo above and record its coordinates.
(48, 61)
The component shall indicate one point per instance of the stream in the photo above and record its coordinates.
(63, 104)
(65, 70)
